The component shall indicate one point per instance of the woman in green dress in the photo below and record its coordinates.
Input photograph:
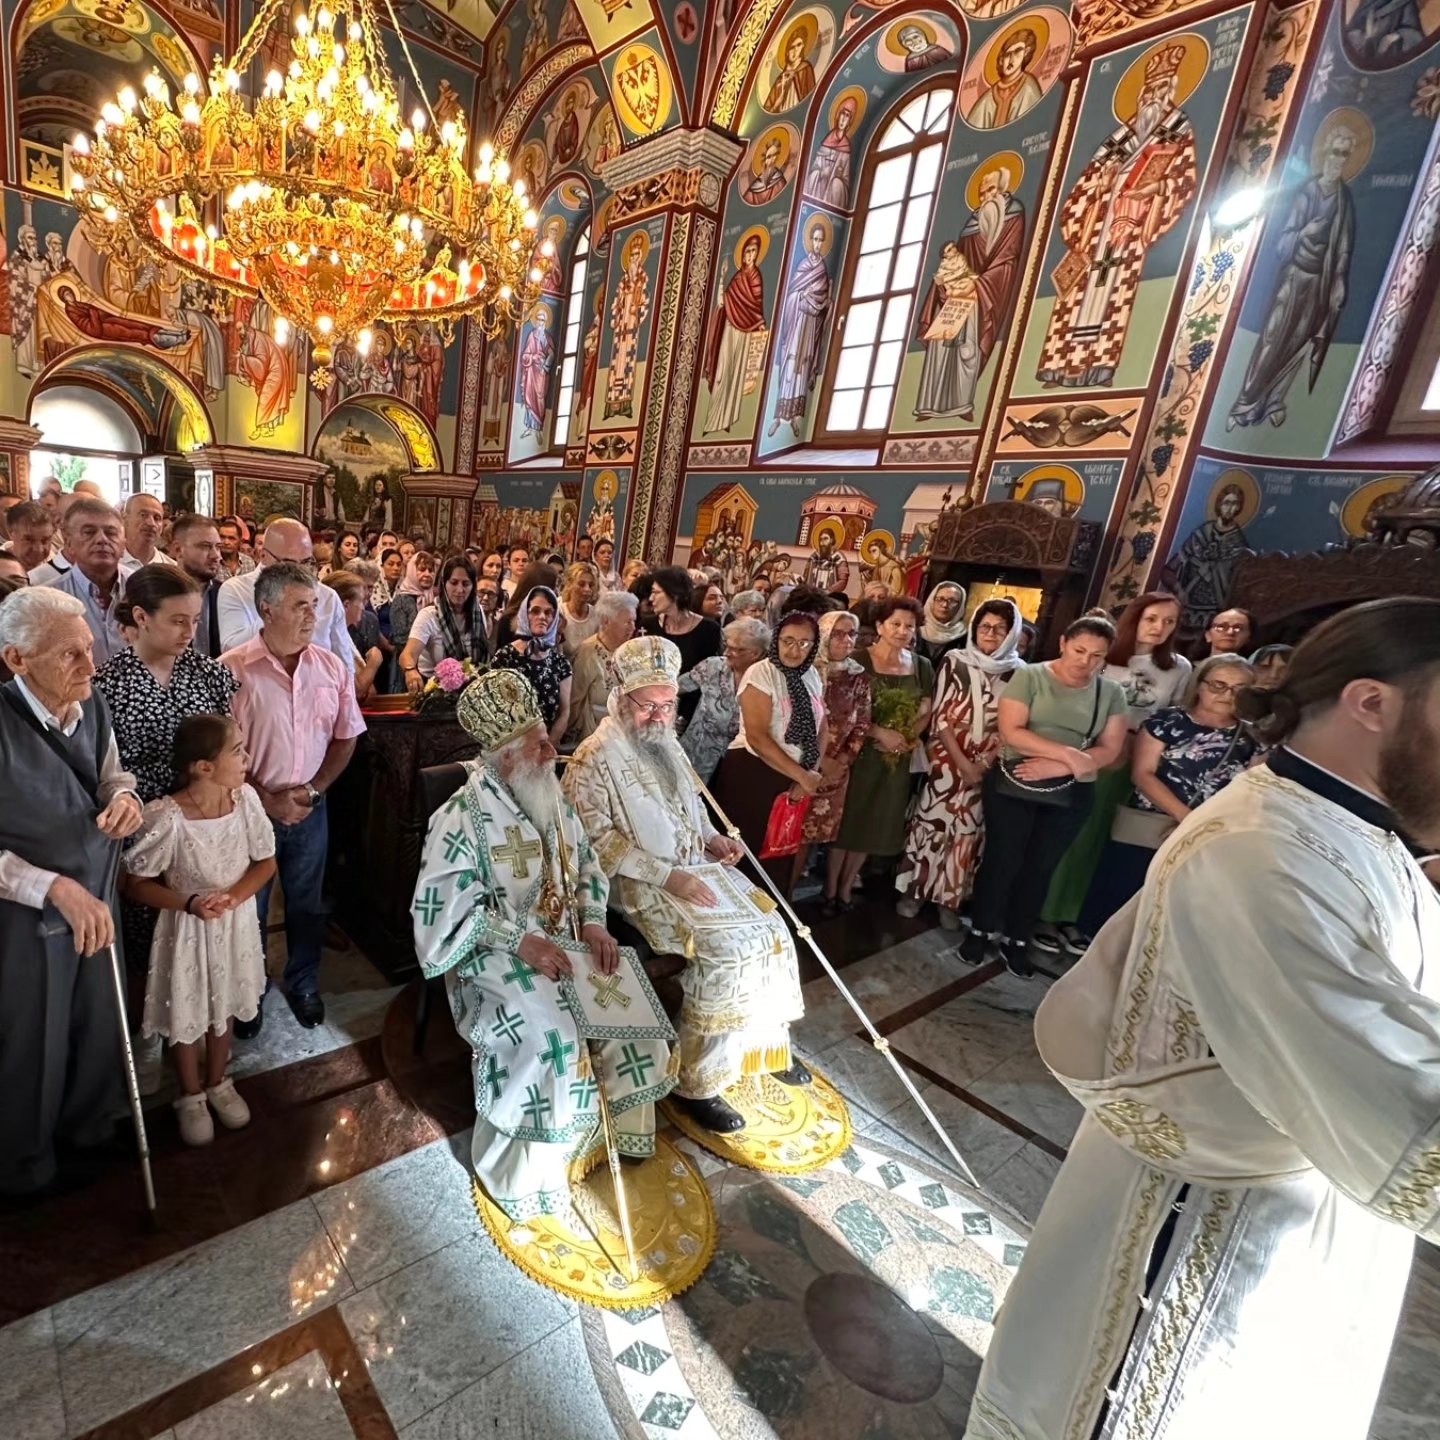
(902, 685)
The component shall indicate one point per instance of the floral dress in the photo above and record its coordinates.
(946, 838)
(716, 721)
(203, 973)
(847, 723)
(545, 667)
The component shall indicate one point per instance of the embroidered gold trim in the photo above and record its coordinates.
(997, 1420)
(1123, 1057)
(1152, 1133)
(1179, 1310)
(1125, 1279)
(1415, 1191)
(1187, 1038)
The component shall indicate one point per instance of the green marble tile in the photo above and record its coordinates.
(774, 1381)
(738, 1281)
(976, 1224)
(642, 1356)
(933, 1196)
(776, 1220)
(864, 1229)
(667, 1411)
(957, 1292)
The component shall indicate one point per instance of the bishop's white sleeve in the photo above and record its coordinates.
(587, 788)
(456, 914)
(1308, 1017)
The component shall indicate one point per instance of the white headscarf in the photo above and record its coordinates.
(1005, 659)
(939, 632)
(823, 663)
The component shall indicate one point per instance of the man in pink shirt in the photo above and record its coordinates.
(297, 708)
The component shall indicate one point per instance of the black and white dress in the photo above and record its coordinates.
(146, 714)
(545, 667)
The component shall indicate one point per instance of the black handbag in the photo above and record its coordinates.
(1058, 793)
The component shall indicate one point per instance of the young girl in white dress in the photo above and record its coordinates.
(211, 846)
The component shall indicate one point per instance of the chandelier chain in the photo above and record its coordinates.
(409, 59)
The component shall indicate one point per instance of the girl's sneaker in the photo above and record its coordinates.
(196, 1127)
(225, 1101)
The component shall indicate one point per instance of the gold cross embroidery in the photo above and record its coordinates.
(608, 991)
(518, 854)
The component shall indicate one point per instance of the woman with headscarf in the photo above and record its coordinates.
(415, 592)
(828, 179)
(902, 682)
(946, 836)
(944, 628)
(507, 623)
(781, 737)
(535, 654)
(846, 698)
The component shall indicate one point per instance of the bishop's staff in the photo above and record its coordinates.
(607, 1122)
(802, 931)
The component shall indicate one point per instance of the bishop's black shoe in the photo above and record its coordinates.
(712, 1113)
(797, 1074)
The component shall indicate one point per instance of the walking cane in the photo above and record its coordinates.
(132, 1080)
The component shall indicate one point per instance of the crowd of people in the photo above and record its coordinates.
(917, 750)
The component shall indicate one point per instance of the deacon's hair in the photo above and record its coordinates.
(1127, 631)
(197, 737)
(1396, 642)
(149, 587)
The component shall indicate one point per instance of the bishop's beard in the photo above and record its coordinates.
(657, 743)
(537, 792)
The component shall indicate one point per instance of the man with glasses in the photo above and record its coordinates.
(285, 542)
(487, 593)
(1229, 633)
(636, 794)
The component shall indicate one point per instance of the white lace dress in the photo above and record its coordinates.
(203, 973)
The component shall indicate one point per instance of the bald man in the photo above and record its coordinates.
(288, 541)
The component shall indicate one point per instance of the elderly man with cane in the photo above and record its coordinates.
(65, 804)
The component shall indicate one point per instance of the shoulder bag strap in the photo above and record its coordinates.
(1090, 734)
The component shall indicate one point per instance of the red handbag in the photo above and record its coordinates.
(787, 822)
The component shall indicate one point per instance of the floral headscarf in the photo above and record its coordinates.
(823, 663)
(522, 621)
(801, 730)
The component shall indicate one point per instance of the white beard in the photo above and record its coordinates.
(538, 794)
(1147, 121)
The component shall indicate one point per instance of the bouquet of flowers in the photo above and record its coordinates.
(897, 709)
(445, 685)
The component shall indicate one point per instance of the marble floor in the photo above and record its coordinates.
(323, 1275)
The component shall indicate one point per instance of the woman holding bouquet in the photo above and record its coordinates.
(451, 628)
(902, 682)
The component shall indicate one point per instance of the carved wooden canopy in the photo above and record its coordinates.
(1010, 535)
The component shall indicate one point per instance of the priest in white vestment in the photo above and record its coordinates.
(531, 983)
(1256, 1042)
(636, 794)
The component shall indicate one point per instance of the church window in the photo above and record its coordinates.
(882, 270)
(574, 328)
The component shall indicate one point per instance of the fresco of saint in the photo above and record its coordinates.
(739, 314)
(627, 313)
(1133, 191)
(800, 347)
(537, 364)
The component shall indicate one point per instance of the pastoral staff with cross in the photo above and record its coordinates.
(510, 908)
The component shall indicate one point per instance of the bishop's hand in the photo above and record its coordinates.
(545, 957)
(690, 888)
(604, 948)
(725, 850)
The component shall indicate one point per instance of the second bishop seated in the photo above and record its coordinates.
(671, 874)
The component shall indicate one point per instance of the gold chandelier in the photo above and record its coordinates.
(318, 197)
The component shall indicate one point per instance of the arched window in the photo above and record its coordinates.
(570, 353)
(882, 265)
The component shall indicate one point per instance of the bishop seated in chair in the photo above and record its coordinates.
(636, 794)
(510, 908)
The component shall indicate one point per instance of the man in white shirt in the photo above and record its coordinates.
(284, 541)
(518, 560)
(95, 543)
(66, 804)
(144, 520)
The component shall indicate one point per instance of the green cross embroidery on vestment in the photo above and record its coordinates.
(635, 1066)
(508, 1026)
(555, 1053)
(594, 887)
(456, 844)
(536, 1106)
(517, 853)
(495, 1078)
(428, 906)
(582, 1092)
(608, 991)
(522, 975)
